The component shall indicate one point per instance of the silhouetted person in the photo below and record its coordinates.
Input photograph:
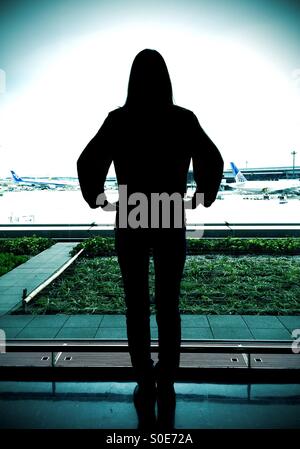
(151, 143)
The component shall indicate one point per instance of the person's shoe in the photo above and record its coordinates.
(144, 399)
(166, 406)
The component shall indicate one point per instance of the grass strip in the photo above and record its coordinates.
(105, 246)
(212, 284)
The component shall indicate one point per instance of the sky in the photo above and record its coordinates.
(64, 64)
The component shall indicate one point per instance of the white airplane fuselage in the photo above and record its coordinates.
(266, 186)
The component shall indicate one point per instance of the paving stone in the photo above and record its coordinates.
(79, 332)
(291, 322)
(38, 332)
(7, 308)
(153, 322)
(111, 332)
(41, 277)
(231, 333)
(15, 320)
(226, 321)
(51, 266)
(11, 290)
(9, 282)
(113, 321)
(271, 334)
(48, 321)
(194, 321)
(4, 311)
(35, 270)
(196, 333)
(153, 333)
(5, 276)
(83, 321)
(12, 332)
(262, 322)
(9, 299)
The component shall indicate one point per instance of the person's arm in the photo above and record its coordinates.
(208, 166)
(93, 164)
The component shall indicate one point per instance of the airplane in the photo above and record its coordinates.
(43, 183)
(264, 187)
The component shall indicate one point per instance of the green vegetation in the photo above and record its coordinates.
(29, 246)
(214, 284)
(10, 261)
(99, 246)
(96, 246)
(221, 276)
(14, 251)
(239, 246)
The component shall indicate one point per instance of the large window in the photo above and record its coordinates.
(60, 77)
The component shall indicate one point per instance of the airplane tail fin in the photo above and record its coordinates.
(239, 177)
(15, 177)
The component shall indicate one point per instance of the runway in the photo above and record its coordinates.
(68, 207)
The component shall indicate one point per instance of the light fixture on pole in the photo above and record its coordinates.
(293, 153)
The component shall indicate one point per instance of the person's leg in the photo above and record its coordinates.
(169, 259)
(169, 253)
(133, 256)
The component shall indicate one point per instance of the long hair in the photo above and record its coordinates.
(149, 81)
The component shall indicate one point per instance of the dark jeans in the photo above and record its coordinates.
(169, 249)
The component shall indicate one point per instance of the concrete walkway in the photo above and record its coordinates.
(264, 327)
(31, 274)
